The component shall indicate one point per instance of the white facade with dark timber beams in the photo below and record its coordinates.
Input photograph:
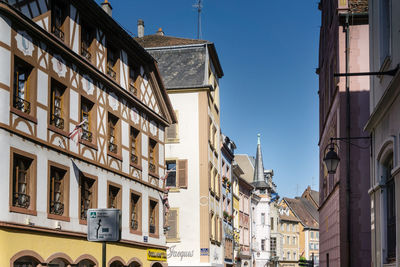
(83, 115)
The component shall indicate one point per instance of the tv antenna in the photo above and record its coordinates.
(199, 6)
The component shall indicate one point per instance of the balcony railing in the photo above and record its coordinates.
(112, 147)
(86, 54)
(56, 208)
(22, 104)
(152, 229)
(57, 121)
(21, 200)
(152, 167)
(134, 159)
(86, 135)
(111, 72)
(134, 224)
(58, 32)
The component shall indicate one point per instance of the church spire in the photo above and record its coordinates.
(258, 179)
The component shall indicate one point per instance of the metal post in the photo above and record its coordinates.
(312, 259)
(104, 255)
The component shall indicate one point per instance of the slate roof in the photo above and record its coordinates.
(301, 210)
(182, 68)
(358, 6)
(156, 40)
(182, 61)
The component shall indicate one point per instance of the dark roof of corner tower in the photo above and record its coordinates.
(258, 179)
(182, 62)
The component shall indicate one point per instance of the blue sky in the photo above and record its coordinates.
(269, 52)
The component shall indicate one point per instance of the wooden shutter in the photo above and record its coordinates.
(171, 132)
(182, 173)
(172, 233)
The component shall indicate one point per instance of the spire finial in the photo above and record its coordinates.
(258, 139)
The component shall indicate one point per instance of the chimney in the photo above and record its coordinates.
(107, 7)
(140, 28)
(160, 32)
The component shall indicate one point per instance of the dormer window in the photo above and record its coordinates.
(59, 15)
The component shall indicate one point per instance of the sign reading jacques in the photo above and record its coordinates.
(103, 224)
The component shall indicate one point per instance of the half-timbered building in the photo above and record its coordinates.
(83, 113)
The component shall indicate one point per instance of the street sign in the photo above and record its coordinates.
(103, 224)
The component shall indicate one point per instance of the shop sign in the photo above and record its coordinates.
(204, 252)
(173, 253)
(156, 255)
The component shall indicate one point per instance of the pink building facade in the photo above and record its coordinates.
(344, 212)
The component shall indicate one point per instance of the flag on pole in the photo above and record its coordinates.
(75, 132)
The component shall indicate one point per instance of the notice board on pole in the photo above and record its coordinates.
(103, 225)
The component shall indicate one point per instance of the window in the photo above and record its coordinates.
(86, 118)
(272, 223)
(212, 223)
(134, 81)
(173, 230)
(112, 133)
(26, 261)
(87, 36)
(58, 190)
(273, 246)
(283, 240)
(58, 112)
(294, 255)
(263, 218)
(152, 156)
(288, 255)
(22, 86)
(263, 248)
(59, 12)
(88, 195)
(288, 240)
(114, 196)
(317, 234)
(153, 218)
(312, 235)
(135, 146)
(177, 173)
(217, 186)
(172, 131)
(282, 227)
(390, 210)
(384, 30)
(112, 58)
(23, 181)
(294, 240)
(136, 213)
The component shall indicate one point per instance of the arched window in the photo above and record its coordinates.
(390, 209)
(58, 263)
(86, 263)
(116, 264)
(134, 264)
(26, 262)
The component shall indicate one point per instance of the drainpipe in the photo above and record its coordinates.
(348, 190)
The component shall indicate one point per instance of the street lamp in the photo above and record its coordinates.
(331, 159)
